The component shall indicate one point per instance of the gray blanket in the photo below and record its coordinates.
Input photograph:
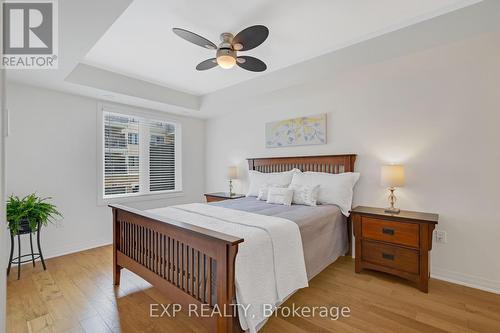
(323, 228)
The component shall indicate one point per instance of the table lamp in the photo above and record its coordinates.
(392, 176)
(232, 173)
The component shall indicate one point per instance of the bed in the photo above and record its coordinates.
(323, 229)
(195, 265)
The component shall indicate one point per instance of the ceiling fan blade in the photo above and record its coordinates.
(250, 38)
(251, 64)
(194, 38)
(207, 64)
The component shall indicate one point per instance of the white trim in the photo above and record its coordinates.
(467, 280)
(143, 162)
(147, 114)
(69, 249)
(72, 249)
(140, 197)
(137, 111)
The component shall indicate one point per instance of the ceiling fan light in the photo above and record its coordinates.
(226, 58)
(226, 61)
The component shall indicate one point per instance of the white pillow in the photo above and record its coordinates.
(334, 189)
(264, 190)
(280, 195)
(304, 194)
(257, 179)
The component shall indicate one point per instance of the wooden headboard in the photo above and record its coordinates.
(322, 163)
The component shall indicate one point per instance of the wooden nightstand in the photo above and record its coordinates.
(397, 244)
(219, 196)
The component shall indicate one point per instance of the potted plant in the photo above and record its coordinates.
(24, 215)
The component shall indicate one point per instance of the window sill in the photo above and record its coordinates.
(139, 198)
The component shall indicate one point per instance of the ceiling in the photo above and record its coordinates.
(141, 44)
(128, 53)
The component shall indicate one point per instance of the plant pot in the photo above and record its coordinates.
(24, 227)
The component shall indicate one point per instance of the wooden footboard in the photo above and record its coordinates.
(191, 265)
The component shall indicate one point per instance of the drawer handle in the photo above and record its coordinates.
(388, 231)
(388, 256)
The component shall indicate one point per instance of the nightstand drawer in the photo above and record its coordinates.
(390, 256)
(392, 232)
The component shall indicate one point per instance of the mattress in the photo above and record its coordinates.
(323, 228)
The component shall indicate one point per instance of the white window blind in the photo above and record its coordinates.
(139, 155)
(120, 177)
(161, 156)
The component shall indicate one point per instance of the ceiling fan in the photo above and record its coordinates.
(226, 55)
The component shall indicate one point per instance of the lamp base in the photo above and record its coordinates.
(231, 188)
(392, 200)
(392, 210)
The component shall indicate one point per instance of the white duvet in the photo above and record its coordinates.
(270, 262)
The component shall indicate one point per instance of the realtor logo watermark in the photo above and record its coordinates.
(30, 34)
(157, 310)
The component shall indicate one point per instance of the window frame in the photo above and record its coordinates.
(103, 199)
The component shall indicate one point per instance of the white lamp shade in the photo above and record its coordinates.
(232, 172)
(392, 176)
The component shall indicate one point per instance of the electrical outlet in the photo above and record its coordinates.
(440, 236)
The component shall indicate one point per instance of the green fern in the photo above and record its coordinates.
(32, 209)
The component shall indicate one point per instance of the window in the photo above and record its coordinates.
(133, 139)
(139, 156)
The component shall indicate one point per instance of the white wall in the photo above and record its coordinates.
(3, 229)
(435, 110)
(52, 150)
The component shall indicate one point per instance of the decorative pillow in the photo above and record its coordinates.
(264, 191)
(257, 179)
(280, 195)
(304, 194)
(334, 189)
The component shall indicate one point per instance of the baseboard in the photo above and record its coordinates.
(73, 248)
(436, 273)
(467, 280)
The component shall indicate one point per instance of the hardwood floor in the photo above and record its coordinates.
(75, 294)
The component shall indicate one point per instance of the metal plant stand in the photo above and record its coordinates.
(23, 231)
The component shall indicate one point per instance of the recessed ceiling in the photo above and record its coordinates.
(141, 44)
